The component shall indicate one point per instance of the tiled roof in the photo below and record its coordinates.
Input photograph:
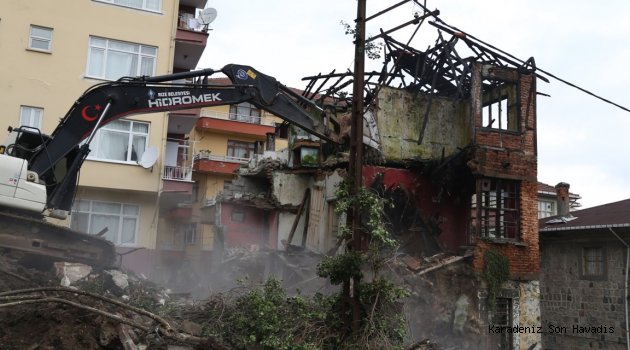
(543, 187)
(616, 214)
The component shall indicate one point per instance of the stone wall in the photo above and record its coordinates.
(570, 301)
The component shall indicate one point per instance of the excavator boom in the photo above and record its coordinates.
(46, 168)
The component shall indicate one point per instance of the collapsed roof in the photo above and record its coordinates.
(439, 70)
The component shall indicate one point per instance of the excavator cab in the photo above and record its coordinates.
(20, 189)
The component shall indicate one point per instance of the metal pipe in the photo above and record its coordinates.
(98, 122)
(177, 76)
(625, 288)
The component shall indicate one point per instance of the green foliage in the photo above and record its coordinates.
(384, 319)
(495, 273)
(341, 267)
(371, 206)
(265, 317)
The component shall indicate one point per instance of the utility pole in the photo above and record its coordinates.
(355, 168)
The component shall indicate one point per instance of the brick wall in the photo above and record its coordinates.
(512, 155)
(523, 255)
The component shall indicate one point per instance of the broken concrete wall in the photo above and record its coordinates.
(288, 188)
(401, 115)
(246, 227)
(323, 222)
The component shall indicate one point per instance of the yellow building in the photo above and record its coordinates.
(222, 139)
(54, 50)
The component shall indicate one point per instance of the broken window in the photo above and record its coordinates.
(593, 262)
(500, 108)
(494, 209)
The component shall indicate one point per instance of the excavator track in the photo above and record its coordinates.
(33, 236)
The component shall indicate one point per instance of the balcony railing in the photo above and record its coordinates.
(237, 117)
(177, 173)
(230, 159)
(188, 21)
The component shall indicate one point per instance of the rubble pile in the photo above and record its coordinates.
(71, 306)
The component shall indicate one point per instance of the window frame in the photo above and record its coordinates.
(31, 37)
(143, 8)
(97, 140)
(503, 316)
(485, 208)
(102, 74)
(233, 145)
(602, 267)
(543, 211)
(502, 91)
(253, 115)
(121, 216)
(31, 110)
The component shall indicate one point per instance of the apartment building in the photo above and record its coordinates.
(54, 51)
(200, 164)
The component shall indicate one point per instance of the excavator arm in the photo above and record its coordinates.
(38, 173)
(106, 102)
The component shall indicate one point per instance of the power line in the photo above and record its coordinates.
(469, 36)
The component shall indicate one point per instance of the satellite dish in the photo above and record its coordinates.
(149, 157)
(207, 16)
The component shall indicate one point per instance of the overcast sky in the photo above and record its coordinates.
(581, 140)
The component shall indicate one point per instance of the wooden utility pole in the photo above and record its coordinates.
(355, 168)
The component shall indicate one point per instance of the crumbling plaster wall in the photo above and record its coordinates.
(289, 189)
(400, 117)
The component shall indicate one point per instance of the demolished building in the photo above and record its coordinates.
(453, 146)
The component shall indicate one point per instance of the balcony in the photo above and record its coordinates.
(190, 42)
(210, 164)
(235, 124)
(177, 173)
